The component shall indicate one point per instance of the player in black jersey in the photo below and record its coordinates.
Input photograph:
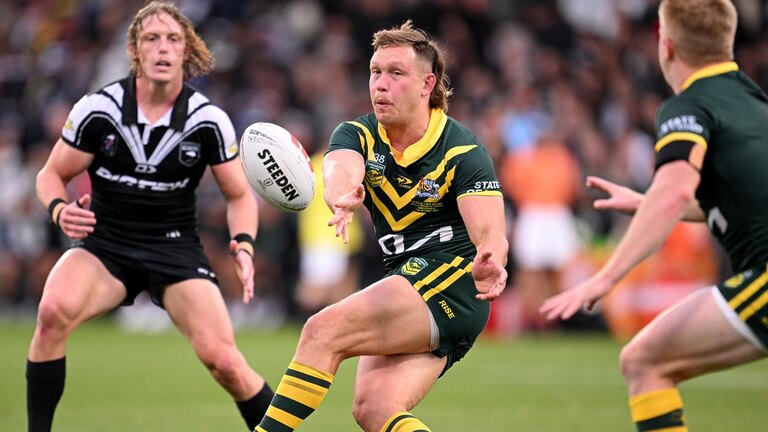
(145, 141)
(438, 213)
(712, 150)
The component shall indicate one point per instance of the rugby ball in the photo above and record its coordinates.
(277, 166)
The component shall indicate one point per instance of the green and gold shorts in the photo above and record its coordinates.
(744, 301)
(446, 285)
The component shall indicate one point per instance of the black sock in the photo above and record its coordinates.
(253, 409)
(45, 385)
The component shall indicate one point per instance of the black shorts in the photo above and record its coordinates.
(445, 283)
(149, 262)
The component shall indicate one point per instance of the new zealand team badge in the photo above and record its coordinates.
(109, 145)
(189, 153)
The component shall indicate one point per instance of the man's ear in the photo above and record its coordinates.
(668, 48)
(430, 80)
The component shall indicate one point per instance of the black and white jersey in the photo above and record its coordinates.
(144, 176)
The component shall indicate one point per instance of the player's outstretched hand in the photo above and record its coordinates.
(76, 219)
(244, 265)
(586, 295)
(490, 277)
(344, 211)
(620, 198)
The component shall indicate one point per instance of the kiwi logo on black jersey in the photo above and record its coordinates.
(109, 145)
(189, 153)
(374, 173)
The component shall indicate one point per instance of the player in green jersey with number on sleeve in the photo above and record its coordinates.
(712, 154)
(438, 214)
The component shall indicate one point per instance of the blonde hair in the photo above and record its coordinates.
(200, 60)
(703, 31)
(427, 50)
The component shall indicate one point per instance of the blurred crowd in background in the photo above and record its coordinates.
(555, 89)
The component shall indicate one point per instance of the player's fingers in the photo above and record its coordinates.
(601, 204)
(83, 201)
(345, 234)
(598, 183)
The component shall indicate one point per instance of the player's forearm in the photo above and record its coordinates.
(49, 186)
(496, 243)
(242, 215)
(340, 177)
(654, 220)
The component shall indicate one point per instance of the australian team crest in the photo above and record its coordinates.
(413, 266)
(374, 173)
(428, 188)
(109, 145)
(189, 153)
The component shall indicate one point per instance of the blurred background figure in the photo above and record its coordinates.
(543, 183)
(327, 271)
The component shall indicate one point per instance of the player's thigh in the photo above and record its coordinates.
(691, 338)
(198, 310)
(385, 318)
(80, 287)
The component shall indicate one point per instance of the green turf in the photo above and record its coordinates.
(120, 382)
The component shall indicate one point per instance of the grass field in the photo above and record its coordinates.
(121, 382)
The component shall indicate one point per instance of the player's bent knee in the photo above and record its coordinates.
(223, 362)
(367, 413)
(320, 331)
(636, 360)
(52, 317)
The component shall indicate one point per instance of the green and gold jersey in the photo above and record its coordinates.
(413, 197)
(719, 123)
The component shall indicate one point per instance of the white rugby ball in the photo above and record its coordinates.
(277, 166)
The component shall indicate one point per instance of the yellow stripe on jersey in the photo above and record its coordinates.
(680, 136)
(447, 282)
(368, 145)
(401, 201)
(709, 71)
(749, 291)
(402, 223)
(480, 193)
(414, 152)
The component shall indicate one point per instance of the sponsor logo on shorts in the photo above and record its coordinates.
(414, 265)
(206, 272)
(735, 281)
(447, 309)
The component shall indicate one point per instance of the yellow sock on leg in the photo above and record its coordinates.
(298, 395)
(658, 411)
(404, 422)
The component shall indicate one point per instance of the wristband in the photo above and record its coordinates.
(52, 207)
(245, 243)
